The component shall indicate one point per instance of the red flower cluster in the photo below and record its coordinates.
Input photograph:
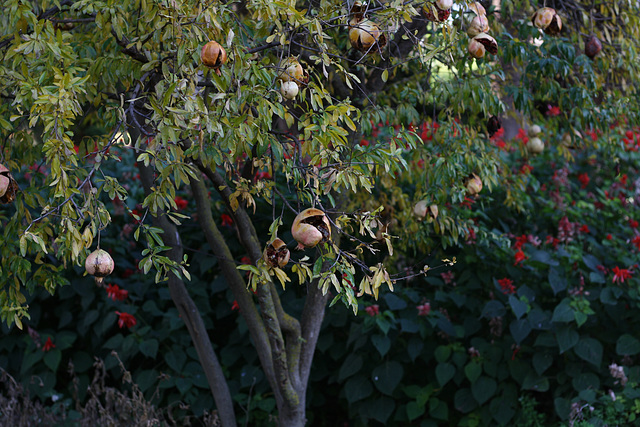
(181, 203)
(48, 345)
(584, 180)
(519, 257)
(424, 309)
(636, 241)
(448, 277)
(633, 223)
(553, 111)
(373, 310)
(620, 274)
(235, 305)
(506, 285)
(115, 293)
(227, 221)
(126, 320)
(522, 136)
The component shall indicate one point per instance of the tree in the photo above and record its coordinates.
(82, 77)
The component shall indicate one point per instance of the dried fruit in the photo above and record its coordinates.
(276, 254)
(213, 55)
(442, 10)
(476, 49)
(311, 227)
(99, 264)
(548, 20)
(8, 186)
(473, 184)
(289, 89)
(488, 42)
(479, 24)
(422, 208)
(592, 46)
(366, 36)
(535, 145)
(478, 9)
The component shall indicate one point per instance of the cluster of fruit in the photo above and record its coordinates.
(477, 30)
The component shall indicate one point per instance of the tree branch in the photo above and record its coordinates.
(190, 314)
(131, 51)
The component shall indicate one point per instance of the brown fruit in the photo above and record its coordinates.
(421, 209)
(311, 227)
(213, 55)
(292, 71)
(443, 13)
(8, 186)
(479, 24)
(365, 34)
(476, 49)
(473, 184)
(488, 42)
(289, 90)
(548, 20)
(478, 9)
(276, 254)
(99, 264)
(592, 46)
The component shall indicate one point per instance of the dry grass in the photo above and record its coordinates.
(106, 406)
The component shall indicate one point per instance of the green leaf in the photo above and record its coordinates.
(473, 370)
(542, 361)
(567, 337)
(519, 307)
(442, 353)
(520, 329)
(627, 345)
(357, 388)
(589, 349)
(382, 343)
(558, 284)
(563, 313)
(149, 348)
(483, 389)
(444, 373)
(414, 410)
(52, 359)
(464, 401)
(387, 376)
(351, 365)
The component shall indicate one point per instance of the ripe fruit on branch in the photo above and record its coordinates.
(479, 24)
(99, 264)
(213, 55)
(476, 49)
(548, 20)
(488, 42)
(422, 208)
(442, 8)
(276, 254)
(478, 9)
(289, 90)
(8, 186)
(311, 227)
(366, 36)
(493, 125)
(535, 145)
(292, 71)
(592, 46)
(473, 183)
(534, 130)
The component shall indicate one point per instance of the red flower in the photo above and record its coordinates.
(181, 203)
(48, 345)
(372, 310)
(364, 143)
(235, 305)
(115, 293)
(584, 228)
(525, 169)
(553, 110)
(584, 180)
(620, 274)
(126, 320)
(227, 221)
(262, 175)
(520, 241)
(506, 285)
(448, 277)
(522, 136)
(636, 241)
(633, 223)
(519, 257)
(424, 309)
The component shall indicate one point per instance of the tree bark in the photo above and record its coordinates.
(191, 316)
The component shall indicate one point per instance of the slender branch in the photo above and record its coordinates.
(190, 314)
(216, 241)
(129, 50)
